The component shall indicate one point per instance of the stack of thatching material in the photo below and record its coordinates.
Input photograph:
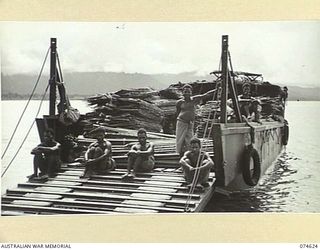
(156, 111)
(172, 92)
(272, 107)
(205, 115)
(126, 109)
(168, 106)
(199, 87)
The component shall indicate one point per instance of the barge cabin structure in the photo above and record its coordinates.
(241, 150)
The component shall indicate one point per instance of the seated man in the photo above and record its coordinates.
(46, 157)
(256, 111)
(140, 156)
(196, 161)
(98, 157)
(245, 100)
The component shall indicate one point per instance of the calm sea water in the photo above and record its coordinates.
(292, 184)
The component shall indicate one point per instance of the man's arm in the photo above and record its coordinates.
(133, 149)
(184, 163)
(105, 155)
(148, 152)
(86, 155)
(198, 98)
(209, 162)
(48, 149)
(36, 149)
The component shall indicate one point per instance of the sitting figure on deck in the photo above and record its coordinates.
(46, 157)
(140, 157)
(185, 111)
(245, 100)
(98, 157)
(256, 111)
(196, 164)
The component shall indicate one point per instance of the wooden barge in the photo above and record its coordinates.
(241, 150)
(162, 191)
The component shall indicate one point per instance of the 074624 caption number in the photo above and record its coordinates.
(309, 246)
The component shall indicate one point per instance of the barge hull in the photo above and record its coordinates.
(230, 142)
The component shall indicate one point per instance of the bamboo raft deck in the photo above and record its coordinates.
(162, 191)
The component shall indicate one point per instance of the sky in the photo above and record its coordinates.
(284, 52)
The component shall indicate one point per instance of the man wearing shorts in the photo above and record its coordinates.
(98, 157)
(140, 157)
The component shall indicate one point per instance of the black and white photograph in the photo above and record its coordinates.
(113, 118)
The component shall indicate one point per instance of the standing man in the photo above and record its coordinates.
(140, 157)
(196, 161)
(98, 157)
(185, 112)
(46, 157)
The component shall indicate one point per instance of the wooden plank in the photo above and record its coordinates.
(32, 203)
(12, 213)
(104, 189)
(158, 189)
(160, 183)
(124, 184)
(167, 178)
(114, 177)
(103, 196)
(68, 177)
(144, 203)
(123, 171)
(104, 177)
(38, 209)
(66, 183)
(83, 207)
(49, 188)
(134, 210)
(127, 203)
(151, 196)
(47, 196)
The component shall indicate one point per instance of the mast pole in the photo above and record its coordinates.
(225, 78)
(52, 79)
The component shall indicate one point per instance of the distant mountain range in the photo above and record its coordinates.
(83, 84)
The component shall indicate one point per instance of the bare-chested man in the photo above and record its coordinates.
(46, 157)
(245, 100)
(198, 161)
(98, 157)
(185, 110)
(140, 157)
